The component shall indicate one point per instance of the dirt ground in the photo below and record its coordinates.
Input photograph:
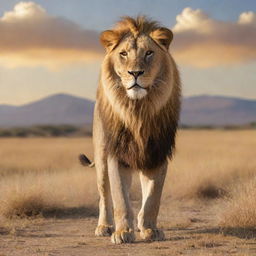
(190, 230)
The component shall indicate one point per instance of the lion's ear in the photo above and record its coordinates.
(162, 36)
(109, 39)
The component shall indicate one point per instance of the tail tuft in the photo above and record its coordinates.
(84, 160)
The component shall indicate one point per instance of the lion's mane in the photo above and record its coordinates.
(140, 133)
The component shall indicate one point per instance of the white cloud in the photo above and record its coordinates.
(24, 10)
(31, 37)
(191, 19)
(247, 18)
(204, 42)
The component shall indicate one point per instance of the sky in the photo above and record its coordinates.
(52, 46)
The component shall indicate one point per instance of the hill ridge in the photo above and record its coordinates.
(64, 108)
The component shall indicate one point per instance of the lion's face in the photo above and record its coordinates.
(137, 62)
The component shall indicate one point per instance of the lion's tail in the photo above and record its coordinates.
(84, 160)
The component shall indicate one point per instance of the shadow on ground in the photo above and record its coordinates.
(243, 233)
(58, 212)
(70, 212)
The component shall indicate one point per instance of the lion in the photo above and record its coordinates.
(135, 121)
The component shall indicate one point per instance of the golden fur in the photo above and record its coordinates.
(135, 120)
(141, 133)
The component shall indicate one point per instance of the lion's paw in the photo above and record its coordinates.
(122, 236)
(152, 234)
(103, 230)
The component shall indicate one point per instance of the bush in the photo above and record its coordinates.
(46, 131)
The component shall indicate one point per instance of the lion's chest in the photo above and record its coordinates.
(149, 153)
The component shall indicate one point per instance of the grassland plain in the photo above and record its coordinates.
(48, 202)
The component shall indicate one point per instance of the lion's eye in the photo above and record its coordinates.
(123, 53)
(148, 53)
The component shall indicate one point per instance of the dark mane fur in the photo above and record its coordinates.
(157, 146)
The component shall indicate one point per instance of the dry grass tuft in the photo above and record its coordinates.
(240, 210)
(56, 194)
(24, 205)
(35, 205)
(210, 191)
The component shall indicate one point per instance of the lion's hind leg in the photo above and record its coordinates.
(105, 226)
(151, 185)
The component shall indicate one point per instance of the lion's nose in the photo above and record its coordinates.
(136, 73)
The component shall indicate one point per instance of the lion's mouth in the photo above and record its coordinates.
(136, 86)
(136, 92)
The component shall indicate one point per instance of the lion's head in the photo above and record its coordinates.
(137, 55)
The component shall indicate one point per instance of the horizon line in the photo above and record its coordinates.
(93, 100)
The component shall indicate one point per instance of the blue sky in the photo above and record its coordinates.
(101, 14)
(32, 79)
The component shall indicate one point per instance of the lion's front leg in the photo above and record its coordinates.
(152, 182)
(120, 181)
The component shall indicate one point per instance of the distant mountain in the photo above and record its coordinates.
(56, 109)
(66, 109)
(217, 111)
